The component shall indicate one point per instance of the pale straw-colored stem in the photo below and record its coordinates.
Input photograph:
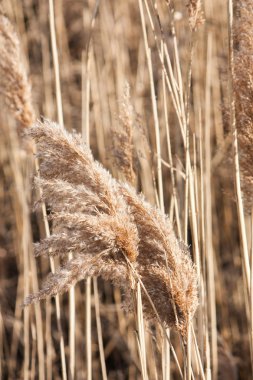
(56, 63)
(173, 181)
(141, 333)
(251, 293)
(245, 252)
(61, 122)
(99, 329)
(88, 329)
(208, 213)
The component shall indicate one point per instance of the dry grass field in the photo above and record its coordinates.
(126, 189)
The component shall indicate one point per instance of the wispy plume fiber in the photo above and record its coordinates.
(106, 226)
(196, 14)
(14, 85)
(243, 92)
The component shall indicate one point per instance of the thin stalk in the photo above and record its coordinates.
(208, 213)
(86, 62)
(99, 330)
(16, 331)
(88, 329)
(141, 333)
(157, 131)
(72, 328)
(166, 358)
(201, 271)
(61, 122)
(173, 181)
(48, 336)
(187, 166)
(243, 235)
(38, 318)
(1, 344)
(26, 319)
(251, 293)
(85, 97)
(198, 354)
(55, 62)
(189, 351)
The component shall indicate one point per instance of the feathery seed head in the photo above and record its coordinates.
(196, 15)
(110, 230)
(14, 83)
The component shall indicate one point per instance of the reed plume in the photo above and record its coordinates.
(196, 14)
(123, 139)
(106, 226)
(14, 84)
(243, 92)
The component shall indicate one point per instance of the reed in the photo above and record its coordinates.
(103, 222)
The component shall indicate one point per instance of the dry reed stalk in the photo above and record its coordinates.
(141, 333)
(71, 290)
(99, 330)
(243, 92)
(241, 66)
(209, 251)
(102, 221)
(233, 121)
(1, 344)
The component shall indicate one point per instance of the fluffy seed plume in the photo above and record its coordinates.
(14, 85)
(111, 231)
(123, 139)
(196, 14)
(243, 92)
